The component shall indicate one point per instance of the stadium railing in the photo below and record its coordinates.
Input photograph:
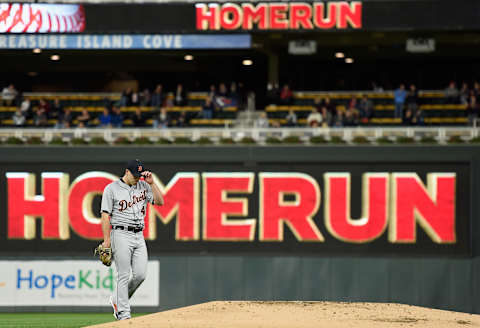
(440, 134)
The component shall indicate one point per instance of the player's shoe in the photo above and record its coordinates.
(114, 306)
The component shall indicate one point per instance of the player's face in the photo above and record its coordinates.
(131, 179)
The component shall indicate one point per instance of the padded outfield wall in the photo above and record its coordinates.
(382, 224)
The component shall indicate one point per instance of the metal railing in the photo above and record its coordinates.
(260, 135)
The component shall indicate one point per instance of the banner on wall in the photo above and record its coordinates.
(279, 15)
(285, 16)
(248, 16)
(311, 208)
(41, 18)
(126, 41)
(69, 283)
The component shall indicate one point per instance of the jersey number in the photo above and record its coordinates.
(143, 210)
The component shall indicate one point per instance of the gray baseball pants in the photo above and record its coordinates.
(130, 256)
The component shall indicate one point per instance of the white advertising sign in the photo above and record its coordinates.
(70, 283)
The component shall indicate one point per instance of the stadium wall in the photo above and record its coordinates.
(430, 270)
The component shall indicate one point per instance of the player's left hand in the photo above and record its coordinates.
(148, 177)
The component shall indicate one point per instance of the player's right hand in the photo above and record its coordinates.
(106, 243)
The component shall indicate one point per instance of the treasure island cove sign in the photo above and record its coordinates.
(279, 16)
(399, 203)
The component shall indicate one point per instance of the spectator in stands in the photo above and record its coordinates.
(117, 117)
(26, 108)
(291, 118)
(221, 99)
(399, 99)
(451, 93)
(234, 97)
(105, 118)
(262, 121)
(145, 98)
(472, 110)
(326, 117)
(476, 90)
(353, 102)
(65, 120)
(126, 99)
(208, 109)
(180, 97)
(182, 120)
(81, 125)
(44, 105)
(286, 96)
(18, 118)
(135, 98)
(84, 119)
(212, 92)
(377, 87)
(338, 120)
(163, 120)
(275, 124)
(330, 106)
(56, 110)
(157, 97)
(169, 101)
(222, 90)
(412, 98)
(314, 119)
(418, 118)
(273, 95)
(40, 116)
(138, 118)
(8, 95)
(317, 103)
(365, 109)
(351, 117)
(464, 94)
(408, 118)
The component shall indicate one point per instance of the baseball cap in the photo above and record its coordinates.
(136, 167)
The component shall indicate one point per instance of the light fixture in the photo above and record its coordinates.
(339, 55)
(37, 50)
(188, 57)
(247, 62)
(349, 60)
(55, 57)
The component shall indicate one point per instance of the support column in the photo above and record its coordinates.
(273, 69)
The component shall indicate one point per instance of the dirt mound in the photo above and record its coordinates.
(240, 314)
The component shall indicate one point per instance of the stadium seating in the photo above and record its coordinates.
(95, 105)
(435, 111)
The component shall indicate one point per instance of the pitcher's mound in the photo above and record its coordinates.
(240, 314)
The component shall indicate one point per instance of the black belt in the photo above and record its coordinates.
(134, 229)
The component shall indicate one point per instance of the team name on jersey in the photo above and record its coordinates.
(135, 199)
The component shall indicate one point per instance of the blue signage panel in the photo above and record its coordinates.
(125, 41)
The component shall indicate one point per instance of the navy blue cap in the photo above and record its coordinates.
(136, 167)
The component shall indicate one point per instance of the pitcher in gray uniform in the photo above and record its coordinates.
(124, 204)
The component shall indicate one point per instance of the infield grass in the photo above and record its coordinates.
(55, 320)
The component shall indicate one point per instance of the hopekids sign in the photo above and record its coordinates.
(79, 283)
(311, 208)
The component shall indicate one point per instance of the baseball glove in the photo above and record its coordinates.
(104, 254)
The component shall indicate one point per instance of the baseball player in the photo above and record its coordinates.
(124, 203)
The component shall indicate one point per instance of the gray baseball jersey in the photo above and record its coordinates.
(126, 204)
